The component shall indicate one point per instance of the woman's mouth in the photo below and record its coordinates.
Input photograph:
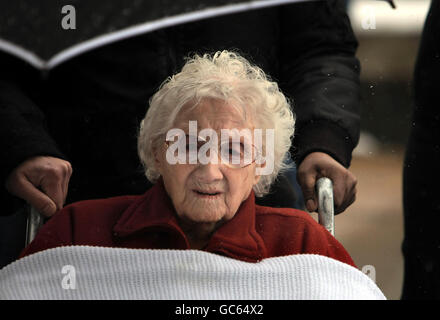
(207, 194)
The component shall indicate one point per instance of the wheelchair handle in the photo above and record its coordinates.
(326, 216)
(34, 223)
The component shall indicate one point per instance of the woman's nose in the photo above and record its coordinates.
(209, 172)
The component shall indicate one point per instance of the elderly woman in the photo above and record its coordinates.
(215, 136)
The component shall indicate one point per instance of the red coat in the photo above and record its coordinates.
(149, 221)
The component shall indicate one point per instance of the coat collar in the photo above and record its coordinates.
(154, 211)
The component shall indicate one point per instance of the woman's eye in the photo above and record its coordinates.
(233, 152)
(236, 149)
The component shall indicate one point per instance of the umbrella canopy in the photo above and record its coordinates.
(46, 33)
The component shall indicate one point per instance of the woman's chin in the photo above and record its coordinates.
(204, 210)
(204, 217)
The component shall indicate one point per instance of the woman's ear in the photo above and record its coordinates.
(258, 169)
(157, 153)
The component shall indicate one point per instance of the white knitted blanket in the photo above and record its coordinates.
(96, 273)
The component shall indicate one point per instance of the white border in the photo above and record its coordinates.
(133, 31)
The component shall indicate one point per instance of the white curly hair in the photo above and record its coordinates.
(227, 76)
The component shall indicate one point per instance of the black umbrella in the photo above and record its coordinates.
(46, 33)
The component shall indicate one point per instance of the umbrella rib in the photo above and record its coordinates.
(24, 54)
(161, 23)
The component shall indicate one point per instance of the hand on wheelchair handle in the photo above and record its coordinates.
(318, 164)
(41, 181)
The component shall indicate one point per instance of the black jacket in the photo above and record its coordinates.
(421, 203)
(88, 109)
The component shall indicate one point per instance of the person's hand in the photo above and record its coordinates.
(317, 165)
(41, 181)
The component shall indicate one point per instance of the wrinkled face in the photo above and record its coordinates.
(207, 193)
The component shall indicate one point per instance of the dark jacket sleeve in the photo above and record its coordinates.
(22, 124)
(320, 73)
